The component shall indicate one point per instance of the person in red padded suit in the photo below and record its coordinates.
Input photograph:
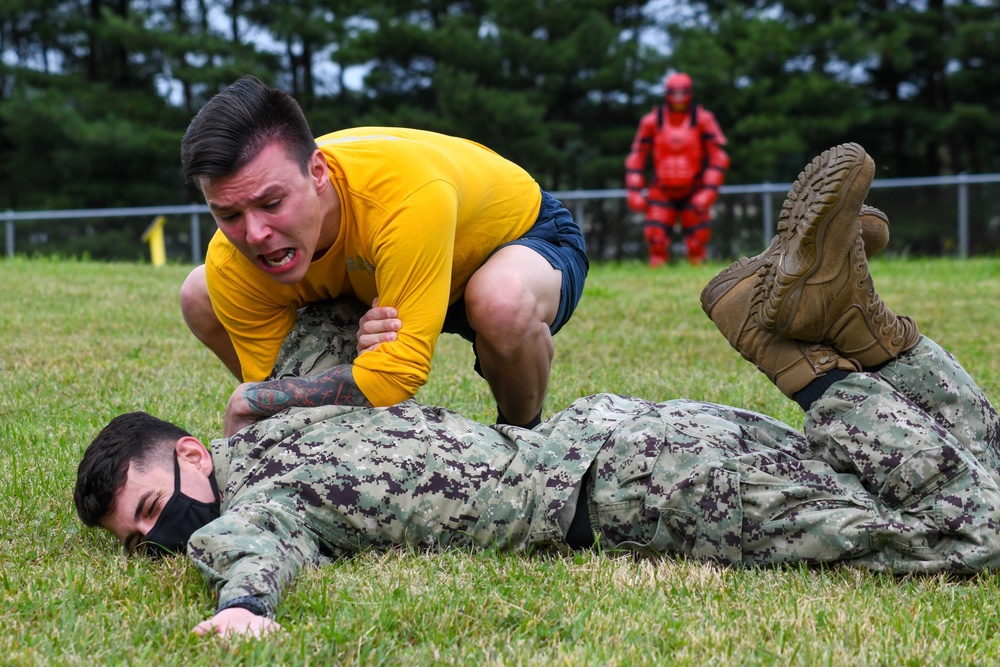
(689, 166)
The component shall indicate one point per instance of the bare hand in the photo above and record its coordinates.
(237, 621)
(379, 325)
(239, 415)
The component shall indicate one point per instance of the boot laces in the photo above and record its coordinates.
(758, 296)
(881, 317)
(880, 314)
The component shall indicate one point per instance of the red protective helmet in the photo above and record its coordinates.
(678, 91)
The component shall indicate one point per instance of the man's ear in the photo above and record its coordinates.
(318, 170)
(190, 449)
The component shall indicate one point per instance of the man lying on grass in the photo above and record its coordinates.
(896, 469)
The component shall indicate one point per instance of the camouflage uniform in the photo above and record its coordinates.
(897, 471)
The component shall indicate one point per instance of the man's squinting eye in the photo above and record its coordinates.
(147, 511)
(271, 205)
(131, 541)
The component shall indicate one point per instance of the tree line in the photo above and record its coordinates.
(95, 95)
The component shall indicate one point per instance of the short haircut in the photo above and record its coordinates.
(133, 438)
(237, 124)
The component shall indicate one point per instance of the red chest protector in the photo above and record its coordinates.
(678, 152)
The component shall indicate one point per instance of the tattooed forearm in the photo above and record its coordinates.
(264, 401)
(332, 387)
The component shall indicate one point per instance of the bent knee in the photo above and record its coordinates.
(510, 311)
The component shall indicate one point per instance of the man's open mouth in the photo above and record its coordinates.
(276, 261)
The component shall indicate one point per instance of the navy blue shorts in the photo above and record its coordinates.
(556, 237)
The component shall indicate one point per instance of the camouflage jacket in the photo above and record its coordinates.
(334, 480)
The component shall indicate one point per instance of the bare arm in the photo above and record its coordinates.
(254, 400)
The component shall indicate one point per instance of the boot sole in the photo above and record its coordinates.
(812, 203)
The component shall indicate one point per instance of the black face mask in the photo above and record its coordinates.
(179, 518)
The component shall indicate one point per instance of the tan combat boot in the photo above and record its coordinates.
(789, 364)
(874, 232)
(732, 301)
(819, 288)
(874, 229)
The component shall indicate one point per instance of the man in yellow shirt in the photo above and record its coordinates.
(438, 234)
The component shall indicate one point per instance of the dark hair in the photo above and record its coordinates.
(135, 437)
(236, 124)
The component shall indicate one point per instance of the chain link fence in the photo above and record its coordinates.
(940, 217)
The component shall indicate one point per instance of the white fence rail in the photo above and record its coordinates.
(739, 209)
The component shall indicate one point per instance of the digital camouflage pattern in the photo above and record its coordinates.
(323, 337)
(897, 471)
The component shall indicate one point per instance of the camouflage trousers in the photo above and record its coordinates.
(896, 471)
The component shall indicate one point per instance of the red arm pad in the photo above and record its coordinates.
(714, 175)
(717, 158)
(642, 144)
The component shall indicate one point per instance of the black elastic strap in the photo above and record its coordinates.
(809, 394)
(530, 425)
(581, 532)
(877, 367)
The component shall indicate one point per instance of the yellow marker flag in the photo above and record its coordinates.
(154, 236)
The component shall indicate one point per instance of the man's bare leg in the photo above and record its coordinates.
(196, 306)
(511, 301)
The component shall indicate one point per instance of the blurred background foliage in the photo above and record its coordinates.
(95, 95)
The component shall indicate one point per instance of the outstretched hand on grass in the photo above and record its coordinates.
(237, 621)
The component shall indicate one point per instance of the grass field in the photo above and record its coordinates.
(82, 342)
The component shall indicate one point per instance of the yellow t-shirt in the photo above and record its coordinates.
(420, 213)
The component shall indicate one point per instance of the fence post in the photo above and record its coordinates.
(9, 217)
(768, 215)
(195, 239)
(963, 216)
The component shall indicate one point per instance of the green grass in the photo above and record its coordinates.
(82, 342)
